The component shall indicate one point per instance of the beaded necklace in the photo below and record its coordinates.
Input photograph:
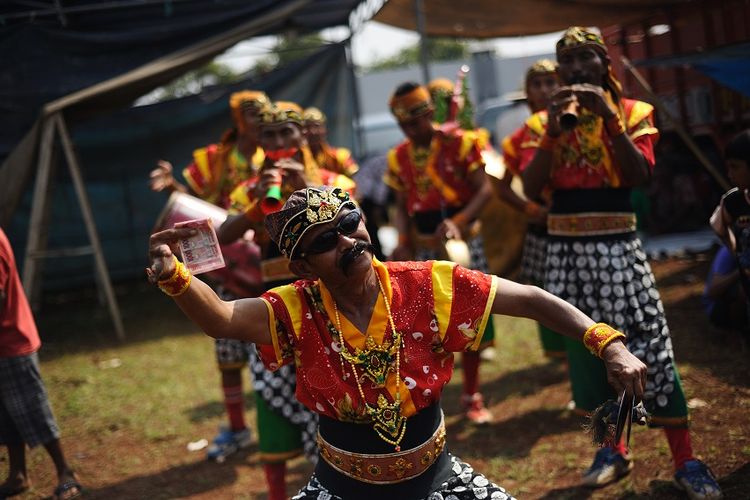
(390, 424)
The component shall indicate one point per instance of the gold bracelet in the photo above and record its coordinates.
(598, 336)
(178, 282)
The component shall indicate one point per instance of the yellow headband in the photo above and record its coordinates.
(410, 105)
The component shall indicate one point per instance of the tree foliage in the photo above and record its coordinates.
(289, 48)
(438, 49)
(194, 81)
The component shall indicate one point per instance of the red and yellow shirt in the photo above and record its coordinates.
(439, 308)
(435, 177)
(217, 169)
(338, 160)
(583, 157)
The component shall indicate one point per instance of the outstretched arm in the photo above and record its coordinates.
(624, 371)
(243, 319)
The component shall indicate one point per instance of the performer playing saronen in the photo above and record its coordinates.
(373, 344)
(441, 188)
(216, 169)
(594, 257)
(541, 81)
(285, 427)
(331, 158)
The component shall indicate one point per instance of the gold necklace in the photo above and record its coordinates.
(390, 425)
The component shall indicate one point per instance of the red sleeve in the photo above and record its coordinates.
(281, 350)
(645, 144)
(511, 146)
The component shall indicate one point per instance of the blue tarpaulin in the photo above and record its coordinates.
(729, 65)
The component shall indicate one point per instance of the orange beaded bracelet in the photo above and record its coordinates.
(598, 336)
(178, 282)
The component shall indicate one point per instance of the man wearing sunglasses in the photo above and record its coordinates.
(373, 345)
(285, 427)
(440, 188)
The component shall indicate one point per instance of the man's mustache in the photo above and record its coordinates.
(355, 251)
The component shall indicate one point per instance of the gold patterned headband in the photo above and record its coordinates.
(304, 209)
(314, 115)
(281, 112)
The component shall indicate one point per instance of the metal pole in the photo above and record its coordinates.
(677, 126)
(88, 219)
(424, 56)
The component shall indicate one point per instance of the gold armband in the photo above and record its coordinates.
(598, 336)
(178, 282)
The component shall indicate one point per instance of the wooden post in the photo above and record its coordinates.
(88, 218)
(36, 241)
(677, 126)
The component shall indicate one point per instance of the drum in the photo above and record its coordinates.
(241, 276)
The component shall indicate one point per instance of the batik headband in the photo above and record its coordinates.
(281, 112)
(244, 100)
(412, 104)
(575, 37)
(541, 67)
(314, 115)
(304, 209)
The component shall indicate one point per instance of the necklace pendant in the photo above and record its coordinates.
(389, 423)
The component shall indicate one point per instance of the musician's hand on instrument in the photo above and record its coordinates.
(625, 372)
(558, 102)
(593, 98)
(161, 249)
(293, 172)
(161, 177)
(268, 177)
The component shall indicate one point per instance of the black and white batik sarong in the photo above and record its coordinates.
(612, 282)
(534, 258)
(463, 484)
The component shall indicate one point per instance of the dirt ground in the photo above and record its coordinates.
(534, 447)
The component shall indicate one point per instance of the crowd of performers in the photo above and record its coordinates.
(349, 354)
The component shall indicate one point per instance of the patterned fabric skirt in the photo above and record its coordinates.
(277, 390)
(611, 281)
(463, 484)
(534, 258)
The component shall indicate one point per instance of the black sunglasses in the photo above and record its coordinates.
(327, 240)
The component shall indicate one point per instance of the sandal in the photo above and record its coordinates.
(7, 491)
(67, 490)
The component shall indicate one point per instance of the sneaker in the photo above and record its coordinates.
(475, 410)
(697, 480)
(228, 442)
(609, 466)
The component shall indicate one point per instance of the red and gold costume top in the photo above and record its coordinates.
(583, 157)
(437, 176)
(216, 169)
(337, 160)
(241, 197)
(438, 307)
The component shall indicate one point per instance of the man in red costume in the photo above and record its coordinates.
(373, 345)
(594, 257)
(331, 158)
(440, 190)
(285, 427)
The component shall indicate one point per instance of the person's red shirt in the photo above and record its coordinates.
(18, 333)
